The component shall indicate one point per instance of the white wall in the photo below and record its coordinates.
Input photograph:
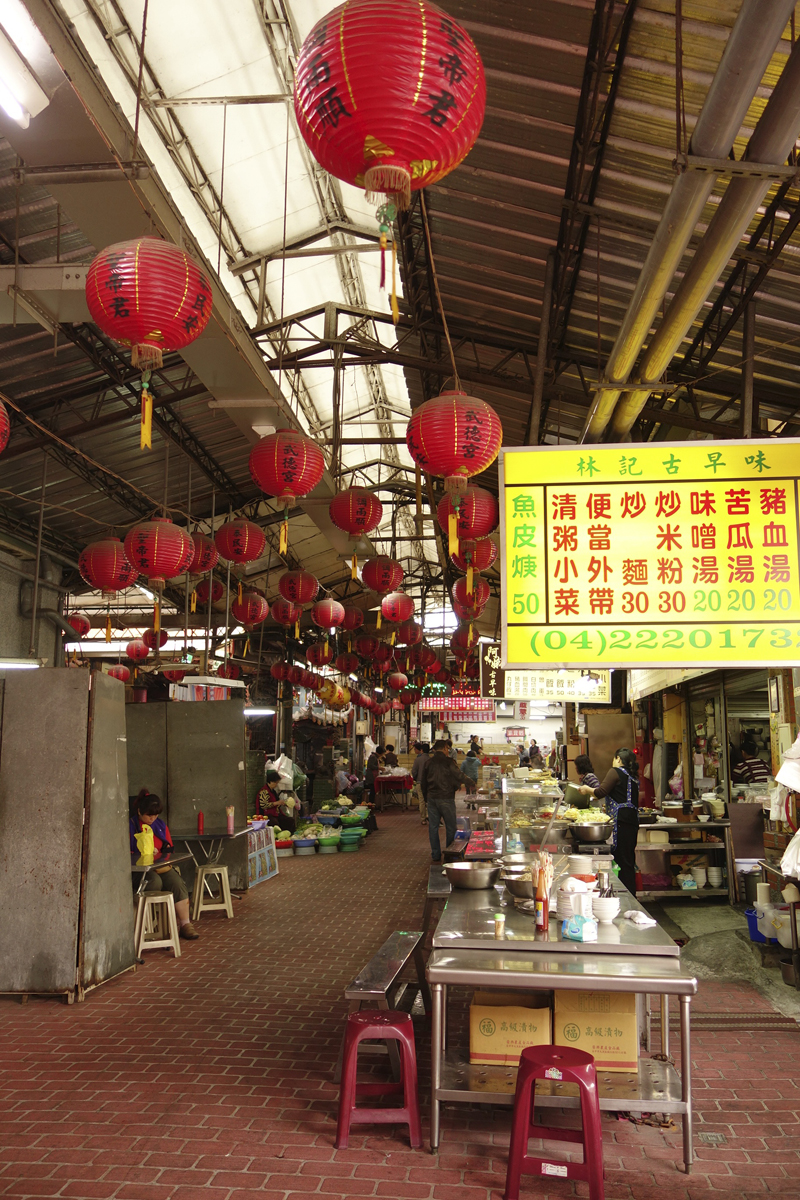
(495, 731)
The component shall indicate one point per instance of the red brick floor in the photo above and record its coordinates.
(209, 1077)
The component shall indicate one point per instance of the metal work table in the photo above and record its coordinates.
(212, 843)
(468, 923)
(656, 1087)
(158, 860)
(439, 889)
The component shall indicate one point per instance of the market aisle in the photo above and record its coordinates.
(208, 1078)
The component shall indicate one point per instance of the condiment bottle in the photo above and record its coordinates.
(542, 904)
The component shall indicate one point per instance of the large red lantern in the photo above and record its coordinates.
(478, 555)
(357, 511)
(319, 654)
(408, 696)
(149, 295)
(103, 564)
(454, 435)
(477, 599)
(472, 669)
(301, 587)
(463, 640)
(154, 639)
(389, 96)
(159, 550)
(475, 514)
(280, 671)
(397, 607)
(174, 676)
(205, 557)
(137, 650)
(285, 612)
(424, 656)
(382, 653)
(435, 668)
(240, 541)
(397, 680)
(294, 674)
(409, 634)
(307, 678)
(216, 590)
(252, 609)
(366, 645)
(382, 574)
(5, 427)
(327, 614)
(229, 670)
(286, 464)
(353, 618)
(119, 671)
(347, 663)
(80, 624)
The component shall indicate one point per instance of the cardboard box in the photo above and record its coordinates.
(601, 1023)
(502, 1024)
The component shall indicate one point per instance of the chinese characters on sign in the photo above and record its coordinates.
(584, 687)
(458, 709)
(651, 554)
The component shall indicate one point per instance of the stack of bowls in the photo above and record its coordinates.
(699, 876)
(715, 877)
(350, 839)
(564, 906)
(605, 908)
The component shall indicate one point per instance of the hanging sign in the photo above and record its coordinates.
(651, 555)
(584, 687)
(458, 709)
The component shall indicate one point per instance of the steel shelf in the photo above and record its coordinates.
(680, 845)
(695, 893)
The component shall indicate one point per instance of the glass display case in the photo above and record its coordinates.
(528, 805)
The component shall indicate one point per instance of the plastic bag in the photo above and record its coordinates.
(790, 863)
(146, 843)
(676, 782)
(285, 768)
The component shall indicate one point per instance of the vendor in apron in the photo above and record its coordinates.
(272, 804)
(620, 790)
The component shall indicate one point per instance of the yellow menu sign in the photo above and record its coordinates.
(638, 555)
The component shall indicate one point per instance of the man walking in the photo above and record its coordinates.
(440, 778)
(421, 752)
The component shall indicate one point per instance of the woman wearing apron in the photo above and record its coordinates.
(620, 790)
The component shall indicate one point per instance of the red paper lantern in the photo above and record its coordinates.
(159, 550)
(80, 624)
(382, 653)
(425, 657)
(476, 554)
(347, 663)
(409, 634)
(454, 435)
(397, 606)
(301, 587)
(477, 511)
(205, 557)
(463, 640)
(149, 295)
(252, 609)
(353, 618)
(286, 464)
(174, 676)
(408, 696)
(327, 614)
(5, 427)
(366, 645)
(137, 650)
(397, 680)
(286, 613)
(104, 566)
(472, 670)
(154, 640)
(319, 654)
(279, 671)
(229, 671)
(357, 511)
(216, 589)
(389, 96)
(382, 574)
(444, 676)
(240, 541)
(294, 674)
(477, 599)
(118, 671)
(435, 668)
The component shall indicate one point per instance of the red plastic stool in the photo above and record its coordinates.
(383, 1026)
(571, 1066)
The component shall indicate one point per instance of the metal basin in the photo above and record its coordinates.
(521, 888)
(592, 833)
(472, 876)
(787, 972)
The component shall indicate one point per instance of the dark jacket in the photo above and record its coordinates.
(440, 777)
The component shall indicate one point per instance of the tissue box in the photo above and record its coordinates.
(601, 1023)
(502, 1024)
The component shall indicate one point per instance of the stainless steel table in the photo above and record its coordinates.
(656, 1087)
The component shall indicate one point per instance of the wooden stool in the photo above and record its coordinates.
(156, 925)
(385, 1026)
(200, 902)
(570, 1066)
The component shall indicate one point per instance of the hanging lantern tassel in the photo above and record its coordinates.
(283, 541)
(354, 567)
(378, 621)
(297, 629)
(452, 533)
(157, 616)
(146, 430)
(469, 576)
(193, 601)
(108, 626)
(239, 593)
(391, 639)
(246, 648)
(395, 309)
(383, 257)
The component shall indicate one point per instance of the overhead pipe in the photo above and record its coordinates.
(747, 54)
(770, 143)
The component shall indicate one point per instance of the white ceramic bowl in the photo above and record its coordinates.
(605, 908)
(704, 817)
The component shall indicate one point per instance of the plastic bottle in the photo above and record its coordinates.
(200, 822)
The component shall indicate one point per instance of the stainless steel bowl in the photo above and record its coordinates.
(472, 876)
(787, 971)
(522, 888)
(592, 833)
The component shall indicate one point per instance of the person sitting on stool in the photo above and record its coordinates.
(440, 778)
(146, 810)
